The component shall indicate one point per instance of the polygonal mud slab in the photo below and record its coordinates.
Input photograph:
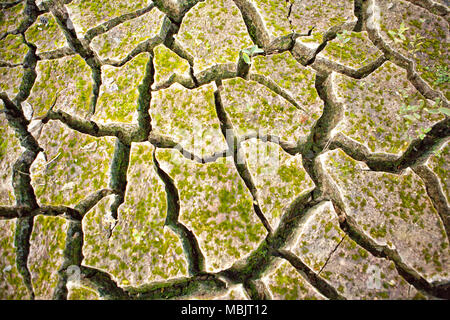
(47, 244)
(358, 275)
(322, 15)
(394, 211)
(66, 81)
(284, 17)
(10, 79)
(9, 152)
(81, 293)
(118, 42)
(77, 163)
(213, 32)
(279, 177)
(216, 206)
(168, 63)
(189, 118)
(46, 34)
(234, 293)
(12, 49)
(375, 109)
(10, 16)
(297, 81)
(318, 238)
(140, 249)
(253, 108)
(334, 256)
(276, 15)
(352, 49)
(329, 252)
(119, 92)
(419, 35)
(87, 14)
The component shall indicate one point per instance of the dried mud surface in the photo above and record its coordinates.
(230, 149)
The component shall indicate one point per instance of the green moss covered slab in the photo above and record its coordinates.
(216, 207)
(168, 63)
(119, 93)
(11, 284)
(78, 163)
(352, 49)
(189, 118)
(381, 109)
(279, 177)
(322, 15)
(46, 34)
(276, 16)
(236, 293)
(88, 14)
(81, 293)
(118, 42)
(46, 254)
(419, 35)
(12, 49)
(254, 108)
(141, 249)
(9, 152)
(213, 32)
(297, 81)
(10, 16)
(10, 79)
(68, 79)
(394, 211)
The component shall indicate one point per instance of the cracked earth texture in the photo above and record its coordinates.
(230, 149)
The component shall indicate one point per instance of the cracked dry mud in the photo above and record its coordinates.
(148, 151)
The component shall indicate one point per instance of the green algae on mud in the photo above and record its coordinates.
(363, 83)
(390, 217)
(229, 208)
